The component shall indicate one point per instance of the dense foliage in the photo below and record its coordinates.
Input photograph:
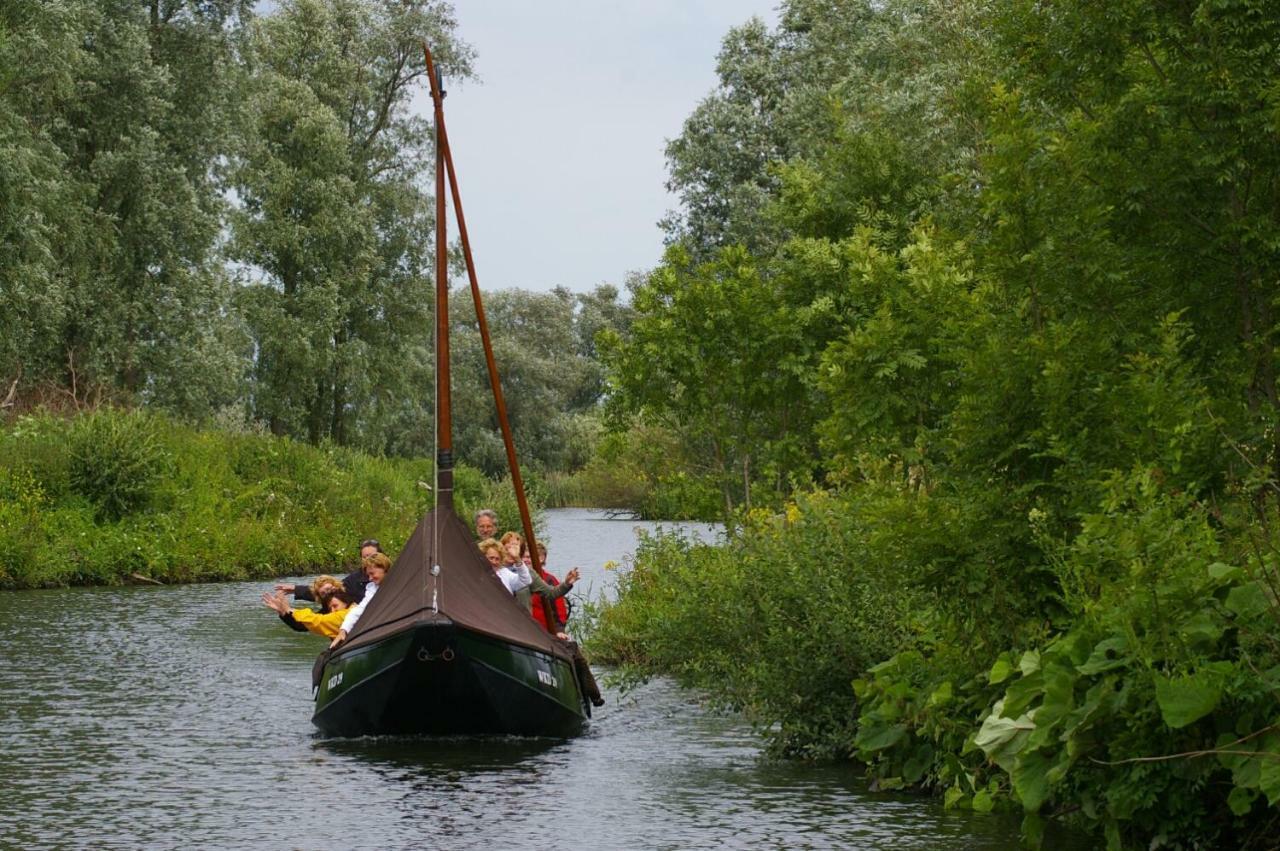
(973, 302)
(113, 496)
(220, 209)
(552, 380)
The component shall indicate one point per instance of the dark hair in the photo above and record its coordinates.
(371, 542)
(340, 594)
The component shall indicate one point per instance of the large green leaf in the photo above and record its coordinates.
(1108, 654)
(1224, 572)
(1185, 700)
(1021, 693)
(1241, 800)
(1002, 738)
(1031, 779)
(1057, 702)
(879, 737)
(914, 768)
(1000, 671)
(1203, 629)
(1248, 600)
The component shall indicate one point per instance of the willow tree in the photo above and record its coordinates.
(334, 223)
(37, 70)
(544, 345)
(115, 117)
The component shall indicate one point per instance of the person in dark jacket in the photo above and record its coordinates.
(353, 582)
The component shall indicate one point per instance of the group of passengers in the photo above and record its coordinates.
(343, 601)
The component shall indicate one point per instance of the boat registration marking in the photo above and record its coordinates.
(335, 680)
(546, 678)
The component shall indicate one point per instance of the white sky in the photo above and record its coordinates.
(559, 146)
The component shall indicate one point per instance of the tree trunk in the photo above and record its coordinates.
(336, 420)
(315, 422)
(723, 476)
(130, 376)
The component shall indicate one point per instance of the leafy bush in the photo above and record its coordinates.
(1137, 699)
(115, 460)
(645, 469)
(22, 504)
(1163, 689)
(774, 622)
(682, 496)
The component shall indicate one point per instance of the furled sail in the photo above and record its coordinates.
(465, 591)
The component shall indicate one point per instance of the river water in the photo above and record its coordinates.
(178, 717)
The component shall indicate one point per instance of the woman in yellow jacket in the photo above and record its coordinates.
(326, 622)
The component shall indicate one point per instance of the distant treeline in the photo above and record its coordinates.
(972, 307)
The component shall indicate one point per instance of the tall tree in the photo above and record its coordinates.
(1134, 168)
(718, 166)
(708, 354)
(544, 345)
(334, 221)
(39, 59)
(132, 102)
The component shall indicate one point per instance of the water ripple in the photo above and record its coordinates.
(167, 717)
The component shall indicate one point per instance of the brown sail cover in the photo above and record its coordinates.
(466, 591)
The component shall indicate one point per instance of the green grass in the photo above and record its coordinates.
(103, 497)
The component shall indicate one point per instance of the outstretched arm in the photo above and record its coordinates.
(277, 603)
(553, 592)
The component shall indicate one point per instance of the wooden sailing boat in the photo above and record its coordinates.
(443, 647)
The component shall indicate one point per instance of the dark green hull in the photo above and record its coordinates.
(436, 678)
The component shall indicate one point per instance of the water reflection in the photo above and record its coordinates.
(408, 756)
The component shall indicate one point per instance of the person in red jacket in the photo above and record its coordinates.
(563, 609)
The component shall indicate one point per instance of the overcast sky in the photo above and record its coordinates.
(559, 146)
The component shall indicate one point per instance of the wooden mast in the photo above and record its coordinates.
(442, 151)
(444, 406)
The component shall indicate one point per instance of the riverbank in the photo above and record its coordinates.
(1124, 679)
(112, 497)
